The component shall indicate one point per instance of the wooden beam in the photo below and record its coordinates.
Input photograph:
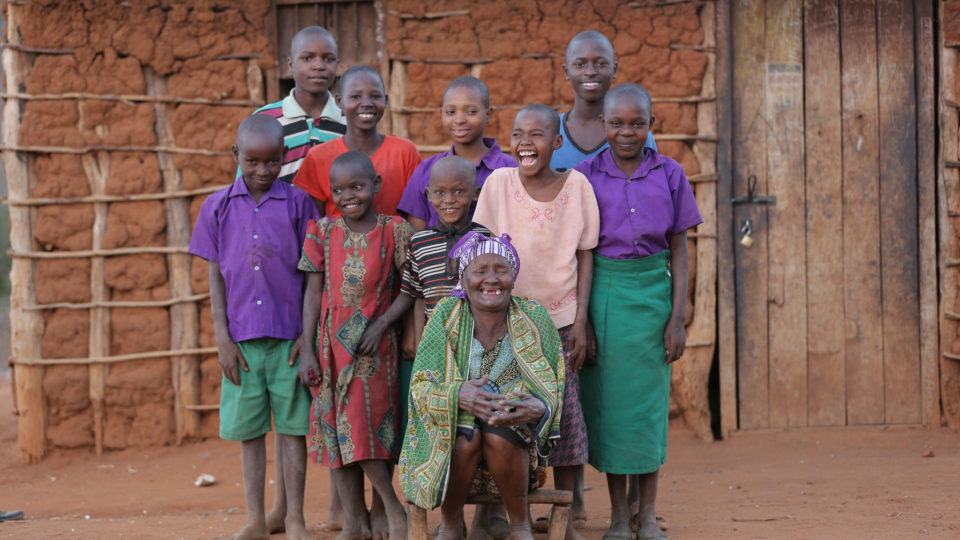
(184, 319)
(726, 296)
(398, 92)
(113, 359)
(131, 99)
(750, 160)
(948, 199)
(97, 169)
(927, 211)
(84, 253)
(26, 327)
(691, 376)
(49, 201)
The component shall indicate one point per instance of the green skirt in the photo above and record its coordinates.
(626, 395)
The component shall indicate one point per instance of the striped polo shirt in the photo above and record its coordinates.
(429, 276)
(300, 132)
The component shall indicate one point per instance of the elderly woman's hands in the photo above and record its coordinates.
(476, 401)
(517, 408)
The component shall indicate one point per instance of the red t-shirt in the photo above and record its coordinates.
(394, 161)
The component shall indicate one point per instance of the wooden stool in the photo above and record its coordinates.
(559, 515)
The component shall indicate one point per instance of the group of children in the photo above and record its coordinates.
(321, 288)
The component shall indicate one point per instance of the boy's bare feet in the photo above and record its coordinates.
(450, 533)
(379, 524)
(650, 530)
(521, 531)
(397, 522)
(275, 519)
(297, 531)
(618, 531)
(252, 531)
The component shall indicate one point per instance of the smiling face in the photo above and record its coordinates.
(590, 66)
(488, 281)
(627, 119)
(260, 157)
(352, 189)
(451, 196)
(464, 115)
(362, 99)
(313, 62)
(534, 138)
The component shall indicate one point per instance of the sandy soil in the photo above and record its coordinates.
(854, 483)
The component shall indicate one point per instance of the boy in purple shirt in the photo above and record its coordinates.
(251, 234)
(464, 115)
(640, 283)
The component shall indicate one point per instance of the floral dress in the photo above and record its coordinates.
(355, 411)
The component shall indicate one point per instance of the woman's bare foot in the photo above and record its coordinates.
(252, 531)
(275, 520)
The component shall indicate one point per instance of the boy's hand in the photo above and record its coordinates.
(591, 358)
(230, 357)
(408, 342)
(370, 340)
(294, 351)
(674, 339)
(309, 370)
(578, 346)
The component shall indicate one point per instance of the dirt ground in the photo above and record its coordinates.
(855, 483)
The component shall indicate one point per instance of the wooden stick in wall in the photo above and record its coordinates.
(26, 327)
(398, 91)
(184, 321)
(97, 168)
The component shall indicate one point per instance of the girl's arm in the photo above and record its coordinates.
(578, 351)
(229, 354)
(309, 369)
(370, 339)
(675, 334)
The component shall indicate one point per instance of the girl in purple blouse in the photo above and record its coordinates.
(639, 282)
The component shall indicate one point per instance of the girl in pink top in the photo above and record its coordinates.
(554, 222)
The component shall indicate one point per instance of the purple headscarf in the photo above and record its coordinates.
(472, 245)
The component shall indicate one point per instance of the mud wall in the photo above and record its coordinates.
(99, 49)
(216, 51)
(517, 48)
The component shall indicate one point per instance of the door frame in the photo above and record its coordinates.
(927, 137)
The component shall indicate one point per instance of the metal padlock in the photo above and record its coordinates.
(746, 233)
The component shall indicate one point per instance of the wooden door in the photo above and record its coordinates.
(827, 296)
(353, 23)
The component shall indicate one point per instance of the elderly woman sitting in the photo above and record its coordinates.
(486, 392)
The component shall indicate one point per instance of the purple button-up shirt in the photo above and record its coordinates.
(640, 212)
(415, 201)
(257, 246)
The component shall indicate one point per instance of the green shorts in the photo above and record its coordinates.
(270, 385)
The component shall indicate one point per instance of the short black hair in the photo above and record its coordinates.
(552, 116)
(589, 35)
(262, 125)
(473, 83)
(628, 90)
(453, 165)
(356, 70)
(310, 32)
(355, 159)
